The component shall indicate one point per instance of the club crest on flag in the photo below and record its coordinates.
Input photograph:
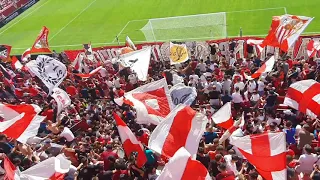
(178, 53)
(42, 42)
(4, 51)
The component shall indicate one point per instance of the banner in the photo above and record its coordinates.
(62, 98)
(41, 44)
(178, 53)
(51, 71)
(182, 94)
(201, 49)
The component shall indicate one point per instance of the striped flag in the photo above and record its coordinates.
(312, 48)
(266, 67)
(5, 51)
(15, 63)
(41, 44)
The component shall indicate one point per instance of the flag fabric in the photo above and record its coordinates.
(26, 55)
(223, 117)
(130, 142)
(93, 72)
(183, 127)
(77, 63)
(41, 44)
(88, 51)
(266, 67)
(182, 94)
(5, 51)
(304, 97)
(182, 167)
(312, 48)
(51, 71)
(130, 44)
(138, 62)
(262, 151)
(15, 63)
(62, 98)
(178, 53)
(232, 129)
(10, 169)
(53, 168)
(5, 73)
(254, 42)
(20, 121)
(285, 30)
(151, 101)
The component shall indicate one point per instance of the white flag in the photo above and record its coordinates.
(182, 94)
(51, 72)
(178, 53)
(62, 99)
(137, 61)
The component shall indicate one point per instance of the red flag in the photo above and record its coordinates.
(312, 48)
(9, 168)
(26, 54)
(223, 117)
(41, 44)
(5, 51)
(130, 142)
(93, 72)
(15, 63)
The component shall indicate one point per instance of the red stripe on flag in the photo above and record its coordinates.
(194, 170)
(226, 124)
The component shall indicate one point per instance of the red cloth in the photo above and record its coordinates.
(48, 113)
(104, 156)
(33, 91)
(71, 90)
(144, 139)
(227, 175)
(116, 175)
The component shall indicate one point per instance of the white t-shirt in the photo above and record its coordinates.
(66, 133)
(240, 85)
(218, 85)
(231, 166)
(202, 67)
(132, 79)
(261, 86)
(237, 98)
(195, 78)
(306, 162)
(252, 86)
(255, 97)
(226, 85)
(103, 72)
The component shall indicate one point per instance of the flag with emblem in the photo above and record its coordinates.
(41, 44)
(62, 98)
(262, 151)
(312, 48)
(151, 101)
(88, 51)
(285, 30)
(178, 53)
(5, 52)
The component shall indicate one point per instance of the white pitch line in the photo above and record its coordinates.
(121, 31)
(72, 20)
(24, 17)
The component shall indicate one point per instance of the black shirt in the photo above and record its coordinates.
(214, 94)
(88, 172)
(205, 160)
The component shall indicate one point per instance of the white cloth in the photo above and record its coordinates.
(240, 85)
(306, 163)
(103, 72)
(132, 79)
(237, 98)
(66, 133)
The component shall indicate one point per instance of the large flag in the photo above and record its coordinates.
(15, 63)
(130, 142)
(178, 53)
(5, 51)
(237, 124)
(130, 44)
(183, 127)
(26, 54)
(285, 30)
(138, 62)
(223, 117)
(182, 167)
(62, 98)
(182, 94)
(53, 168)
(262, 151)
(77, 63)
(303, 96)
(41, 44)
(152, 102)
(88, 51)
(312, 48)
(266, 67)
(20, 121)
(93, 72)
(51, 71)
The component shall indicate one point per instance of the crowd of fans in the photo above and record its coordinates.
(87, 135)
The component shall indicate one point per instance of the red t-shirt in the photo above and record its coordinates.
(33, 91)
(71, 90)
(227, 175)
(104, 156)
(48, 113)
(116, 175)
(144, 139)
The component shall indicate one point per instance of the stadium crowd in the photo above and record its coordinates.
(86, 132)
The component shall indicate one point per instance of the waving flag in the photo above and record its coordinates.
(266, 67)
(5, 51)
(51, 71)
(26, 55)
(10, 169)
(20, 121)
(88, 51)
(15, 63)
(312, 48)
(41, 44)
(232, 129)
(303, 96)
(183, 127)
(178, 53)
(285, 30)
(5, 73)
(130, 142)
(138, 62)
(182, 94)
(182, 167)
(62, 98)
(152, 102)
(223, 117)
(93, 72)
(262, 151)
(130, 44)
(77, 63)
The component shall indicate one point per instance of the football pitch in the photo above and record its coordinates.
(73, 22)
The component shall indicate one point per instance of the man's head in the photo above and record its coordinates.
(222, 167)
(307, 148)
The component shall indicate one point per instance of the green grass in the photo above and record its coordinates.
(73, 22)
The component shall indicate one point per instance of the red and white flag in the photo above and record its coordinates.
(232, 129)
(151, 101)
(182, 167)
(77, 63)
(304, 96)
(285, 30)
(93, 72)
(41, 44)
(266, 67)
(5, 51)
(26, 55)
(20, 121)
(15, 63)
(62, 98)
(88, 51)
(183, 127)
(223, 117)
(312, 48)
(130, 44)
(262, 151)
(130, 142)
(10, 169)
